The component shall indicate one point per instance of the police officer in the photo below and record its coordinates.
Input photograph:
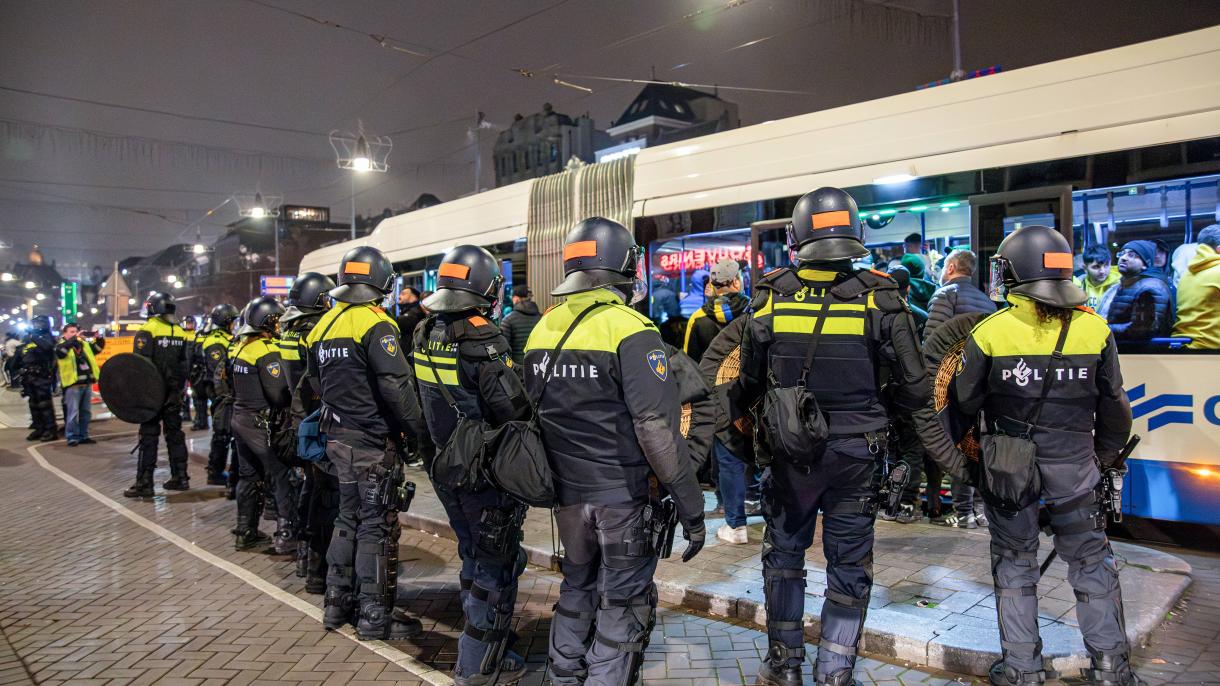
(188, 390)
(216, 387)
(197, 375)
(1045, 346)
(319, 501)
(463, 364)
(258, 388)
(367, 395)
(819, 329)
(38, 379)
(609, 418)
(163, 341)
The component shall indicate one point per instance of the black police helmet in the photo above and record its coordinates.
(597, 252)
(365, 275)
(40, 322)
(261, 315)
(826, 227)
(223, 315)
(1036, 261)
(468, 278)
(309, 292)
(160, 303)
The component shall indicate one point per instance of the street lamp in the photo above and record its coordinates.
(30, 285)
(259, 206)
(360, 152)
(7, 276)
(40, 296)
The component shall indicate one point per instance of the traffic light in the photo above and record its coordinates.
(67, 300)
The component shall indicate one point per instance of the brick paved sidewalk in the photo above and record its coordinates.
(110, 600)
(96, 560)
(932, 602)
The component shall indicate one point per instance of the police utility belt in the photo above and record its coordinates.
(1008, 476)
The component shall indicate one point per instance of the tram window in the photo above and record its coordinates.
(1149, 232)
(943, 224)
(679, 268)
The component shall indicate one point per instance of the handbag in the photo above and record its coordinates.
(792, 423)
(456, 465)
(516, 461)
(1009, 479)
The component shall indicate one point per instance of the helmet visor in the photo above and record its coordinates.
(996, 290)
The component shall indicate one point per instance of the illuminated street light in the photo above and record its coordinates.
(360, 152)
(7, 276)
(92, 310)
(259, 210)
(41, 296)
(131, 301)
(30, 285)
(199, 248)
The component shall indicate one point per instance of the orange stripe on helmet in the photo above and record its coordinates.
(828, 220)
(357, 268)
(580, 249)
(477, 321)
(457, 271)
(1057, 260)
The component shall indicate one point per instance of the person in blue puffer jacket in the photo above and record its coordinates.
(1142, 307)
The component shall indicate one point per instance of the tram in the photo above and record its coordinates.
(1108, 147)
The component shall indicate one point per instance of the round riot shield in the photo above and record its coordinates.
(132, 388)
(943, 351)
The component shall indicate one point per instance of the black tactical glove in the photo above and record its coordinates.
(696, 534)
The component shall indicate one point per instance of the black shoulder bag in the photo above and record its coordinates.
(456, 465)
(1008, 471)
(516, 460)
(791, 420)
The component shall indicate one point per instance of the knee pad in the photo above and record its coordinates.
(1077, 516)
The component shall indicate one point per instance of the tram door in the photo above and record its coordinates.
(768, 247)
(995, 215)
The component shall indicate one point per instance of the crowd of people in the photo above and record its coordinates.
(800, 401)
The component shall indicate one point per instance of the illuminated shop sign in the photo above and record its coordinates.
(699, 258)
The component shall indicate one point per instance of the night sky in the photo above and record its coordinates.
(246, 90)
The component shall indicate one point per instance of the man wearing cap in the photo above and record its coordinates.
(519, 323)
(725, 305)
(1142, 307)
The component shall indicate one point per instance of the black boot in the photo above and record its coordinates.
(843, 677)
(215, 479)
(1002, 675)
(269, 509)
(177, 483)
(285, 537)
(376, 624)
(251, 538)
(778, 674)
(338, 608)
(1112, 669)
(142, 488)
(35, 435)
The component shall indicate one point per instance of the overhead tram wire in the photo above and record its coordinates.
(166, 113)
(383, 40)
(452, 51)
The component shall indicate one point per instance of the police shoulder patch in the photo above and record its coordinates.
(389, 343)
(274, 369)
(215, 354)
(140, 342)
(659, 364)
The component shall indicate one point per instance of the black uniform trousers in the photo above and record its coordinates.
(169, 419)
(363, 554)
(222, 453)
(319, 505)
(607, 601)
(257, 463)
(38, 392)
(1080, 538)
(841, 487)
(488, 578)
(201, 393)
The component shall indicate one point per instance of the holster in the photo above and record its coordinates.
(500, 534)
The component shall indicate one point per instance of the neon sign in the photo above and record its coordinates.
(699, 258)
